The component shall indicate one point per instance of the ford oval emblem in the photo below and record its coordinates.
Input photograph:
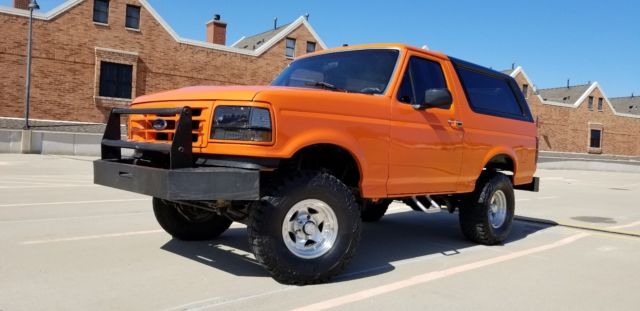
(159, 124)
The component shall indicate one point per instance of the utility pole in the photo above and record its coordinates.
(33, 5)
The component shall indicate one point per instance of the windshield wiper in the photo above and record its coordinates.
(326, 86)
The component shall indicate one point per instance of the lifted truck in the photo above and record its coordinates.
(332, 142)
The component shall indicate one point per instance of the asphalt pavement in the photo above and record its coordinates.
(66, 244)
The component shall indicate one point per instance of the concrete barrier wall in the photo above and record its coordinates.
(82, 144)
(10, 141)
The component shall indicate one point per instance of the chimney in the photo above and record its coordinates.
(275, 23)
(21, 4)
(217, 31)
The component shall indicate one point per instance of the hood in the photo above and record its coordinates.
(244, 93)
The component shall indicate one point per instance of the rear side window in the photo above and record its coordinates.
(490, 94)
(421, 75)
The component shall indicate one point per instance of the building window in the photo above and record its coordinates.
(101, 11)
(590, 103)
(600, 104)
(133, 17)
(525, 90)
(290, 48)
(595, 138)
(115, 80)
(311, 47)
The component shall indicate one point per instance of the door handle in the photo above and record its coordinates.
(456, 124)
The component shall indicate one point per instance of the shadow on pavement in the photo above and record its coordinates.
(398, 236)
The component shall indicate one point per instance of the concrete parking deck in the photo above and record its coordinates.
(66, 244)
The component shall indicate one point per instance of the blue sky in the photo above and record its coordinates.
(581, 40)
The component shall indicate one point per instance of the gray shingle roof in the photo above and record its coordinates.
(626, 104)
(255, 41)
(567, 95)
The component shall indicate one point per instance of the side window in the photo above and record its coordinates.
(421, 75)
(488, 94)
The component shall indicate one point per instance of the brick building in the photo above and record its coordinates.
(582, 119)
(92, 55)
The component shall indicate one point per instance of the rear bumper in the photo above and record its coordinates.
(198, 184)
(534, 185)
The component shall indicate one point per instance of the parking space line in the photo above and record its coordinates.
(633, 224)
(90, 237)
(47, 186)
(435, 275)
(70, 218)
(612, 231)
(71, 202)
(199, 305)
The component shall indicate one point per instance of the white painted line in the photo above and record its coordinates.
(71, 202)
(205, 258)
(46, 186)
(91, 237)
(633, 224)
(71, 218)
(435, 275)
(547, 198)
(202, 305)
(520, 200)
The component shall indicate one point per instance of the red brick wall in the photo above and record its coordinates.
(566, 129)
(21, 4)
(64, 62)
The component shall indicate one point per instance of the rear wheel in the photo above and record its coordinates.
(187, 222)
(306, 230)
(373, 211)
(486, 216)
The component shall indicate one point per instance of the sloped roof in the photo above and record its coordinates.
(67, 5)
(255, 41)
(507, 71)
(629, 104)
(566, 95)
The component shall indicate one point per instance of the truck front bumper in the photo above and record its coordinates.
(182, 180)
(197, 184)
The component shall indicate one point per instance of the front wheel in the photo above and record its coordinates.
(486, 216)
(306, 230)
(189, 223)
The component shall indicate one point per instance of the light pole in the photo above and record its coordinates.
(33, 5)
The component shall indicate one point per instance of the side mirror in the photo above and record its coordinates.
(435, 98)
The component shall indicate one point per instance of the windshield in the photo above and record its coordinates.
(359, 71)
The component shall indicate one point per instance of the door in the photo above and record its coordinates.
(426, 145)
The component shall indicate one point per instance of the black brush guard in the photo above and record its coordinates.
(180, 155)
(181, 181)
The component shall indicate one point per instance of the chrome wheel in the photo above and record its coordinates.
(310, 229)
(498, 209)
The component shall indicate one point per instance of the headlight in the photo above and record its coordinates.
(241, 123)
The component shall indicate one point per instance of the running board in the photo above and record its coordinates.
(432, 209)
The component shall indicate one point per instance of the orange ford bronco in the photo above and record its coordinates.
(332, 142)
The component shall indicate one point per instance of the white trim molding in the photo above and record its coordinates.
(265, 47)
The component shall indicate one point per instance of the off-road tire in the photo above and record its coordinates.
(206, 227)
(373, 211)
(266, 220)
(474, 214)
